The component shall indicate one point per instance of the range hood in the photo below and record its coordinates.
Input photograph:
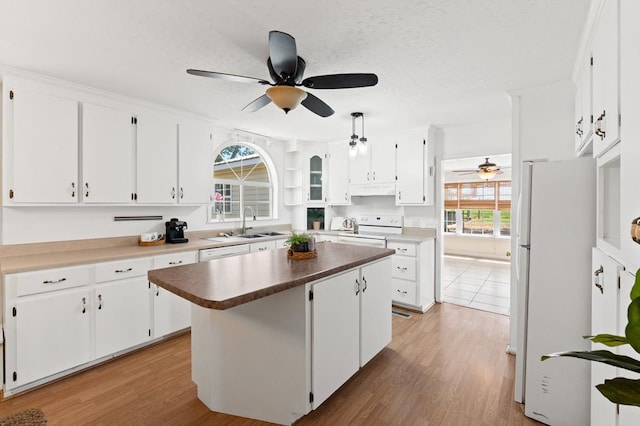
(371, 189)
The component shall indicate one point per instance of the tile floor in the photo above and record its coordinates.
(477, 283)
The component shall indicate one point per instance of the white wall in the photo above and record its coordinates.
(483, 139)
(476, 245)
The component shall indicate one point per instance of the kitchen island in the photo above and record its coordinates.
(273, 337)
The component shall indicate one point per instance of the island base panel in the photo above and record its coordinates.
(252, 360)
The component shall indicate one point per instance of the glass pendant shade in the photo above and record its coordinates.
(487, 174)
(286, 97)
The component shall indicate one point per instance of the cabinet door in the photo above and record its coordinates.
(171, 312)
(45, 148)
(107, 155)
(335, 334)
(122, 315)
(410, 169)
(339, 167)
(604, 319)
(383, 163)
(315, 193)
(605, 79)
(262, 246)
(628, 416)
(195, 162)
(375, 309)
(157, 153)
(360, 168)
(52, 334)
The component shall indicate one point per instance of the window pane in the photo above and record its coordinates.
(450, 221)
(505, 223)
(477, 222)
(241, 179)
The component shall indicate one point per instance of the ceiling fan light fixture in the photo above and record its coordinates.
(286, 97)
(487, 174)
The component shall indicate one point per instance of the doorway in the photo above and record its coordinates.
(476, 232)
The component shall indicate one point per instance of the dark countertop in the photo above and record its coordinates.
(228, 282)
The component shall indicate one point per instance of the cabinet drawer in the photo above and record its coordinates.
(403, 291)
(175, 259)
(404, 249)
(111, 271)
(49, 280)
(403, 267)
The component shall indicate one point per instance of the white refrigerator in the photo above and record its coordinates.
(555, 233)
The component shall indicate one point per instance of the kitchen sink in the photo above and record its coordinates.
(270, 233)
(251, 236)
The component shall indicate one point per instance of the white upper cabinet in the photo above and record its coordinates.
(41, 149)
(414, 185)
(373, 173)
(316, 179)
(339, 166)
(606, 91)
(107, 155)
(195, 162)
(583, 108)
(157, 158)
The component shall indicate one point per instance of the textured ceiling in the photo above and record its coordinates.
(439, 62)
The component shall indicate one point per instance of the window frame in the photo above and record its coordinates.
(215, 216)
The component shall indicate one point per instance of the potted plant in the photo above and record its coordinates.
(619, 390)
(298, 242)
(316, 216)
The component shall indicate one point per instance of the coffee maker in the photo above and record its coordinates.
(175, 231)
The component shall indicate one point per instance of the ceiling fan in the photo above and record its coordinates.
(486, 170)
(286, 69)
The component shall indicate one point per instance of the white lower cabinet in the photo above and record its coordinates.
(413, 274)
(57, 321)
(604, 319)
(171, 312)
(49, 333)
(351, 322)
(262, 246)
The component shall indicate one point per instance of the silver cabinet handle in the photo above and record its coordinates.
(357, 287)
(84, 305)
(157, 290)
(596, 279)
(181, 193)
(399, 195)
(58, 281)
(364, 280)
(173, 193)
(374, 175)
(262, 248)
(403, 250)
(99, 301)
(368, 177)
(73, 189)
(175, 263)
(120, 271)
(601, 125)
(402, 292)
(346, 194)
(404, 268)
(86, 190)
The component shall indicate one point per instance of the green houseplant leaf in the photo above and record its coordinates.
(606, 357)
(632, 331)
(610, 340)
(621, 391)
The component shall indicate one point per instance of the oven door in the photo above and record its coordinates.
(363, 241)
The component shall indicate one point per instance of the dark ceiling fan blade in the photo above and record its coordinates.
(283, 53)
(340, 81)
(257, 104)
(228, 77)
(317, 106)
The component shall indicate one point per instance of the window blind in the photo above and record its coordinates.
(495, 195)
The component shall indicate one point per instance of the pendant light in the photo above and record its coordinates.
(353, 142)
(362, 146)
(286, 97)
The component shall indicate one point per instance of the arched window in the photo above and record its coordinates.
(241, 180)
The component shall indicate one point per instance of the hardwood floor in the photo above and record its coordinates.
(446, 367)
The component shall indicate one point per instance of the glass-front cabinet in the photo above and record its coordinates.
(315, 193)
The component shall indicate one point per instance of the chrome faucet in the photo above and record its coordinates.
(244, 219)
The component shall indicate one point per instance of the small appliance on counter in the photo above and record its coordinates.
(175, 231)
(341, 223)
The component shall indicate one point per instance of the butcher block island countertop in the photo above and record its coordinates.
(232, 281)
